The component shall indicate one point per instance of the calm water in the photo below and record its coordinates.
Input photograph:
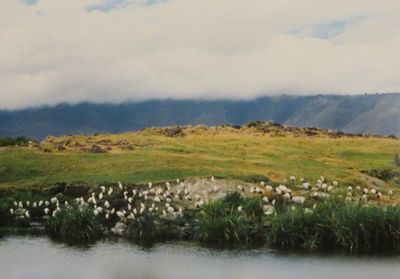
(39, 257)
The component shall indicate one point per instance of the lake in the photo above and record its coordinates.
(41, 258)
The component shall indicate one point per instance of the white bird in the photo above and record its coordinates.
(106, 204)
(120, 214)
(46, 211)
(46, 203)
(40, 203)
(27, 214)
(95, 212)
(373, 191)
(110, 190)
(20, 205)
(56, 211)
(120, 185)
(269, 188)
(15, 203)
(11, 211)
(150, 185)
(28, 203)
(101, 196)
(287, 196)
(107, 216)
(240, 209)
(364, 198)
(34, 205)
(298, 199)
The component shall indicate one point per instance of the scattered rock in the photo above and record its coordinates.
(97, 149)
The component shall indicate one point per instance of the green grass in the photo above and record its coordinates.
(74, 225)
(226, 153)
(335, 224)
(220, 221)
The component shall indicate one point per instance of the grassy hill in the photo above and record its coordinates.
(249, 152)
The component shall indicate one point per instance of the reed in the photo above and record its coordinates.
(232, 220)
(75, 225)
(334, 224)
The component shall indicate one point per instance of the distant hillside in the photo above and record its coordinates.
(377, 114)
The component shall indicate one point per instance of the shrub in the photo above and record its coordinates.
(8, 141)
(75, 225)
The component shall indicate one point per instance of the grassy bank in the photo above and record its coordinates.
(331, 225)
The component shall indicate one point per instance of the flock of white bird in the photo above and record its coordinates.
(127, 203)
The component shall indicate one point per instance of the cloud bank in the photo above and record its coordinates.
(119, 50)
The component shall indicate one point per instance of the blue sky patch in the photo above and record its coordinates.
(30, 2)
(108, 5)
(328, 29)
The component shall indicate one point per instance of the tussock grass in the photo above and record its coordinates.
(142, 228)
(221, 221)
(74, 225)
(334, 224)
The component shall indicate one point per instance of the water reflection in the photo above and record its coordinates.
(39, 257)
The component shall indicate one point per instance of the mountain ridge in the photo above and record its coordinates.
(366, 114)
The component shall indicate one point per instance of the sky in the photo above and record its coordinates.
(130, 50)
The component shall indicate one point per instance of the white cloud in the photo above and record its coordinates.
(57, 51)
